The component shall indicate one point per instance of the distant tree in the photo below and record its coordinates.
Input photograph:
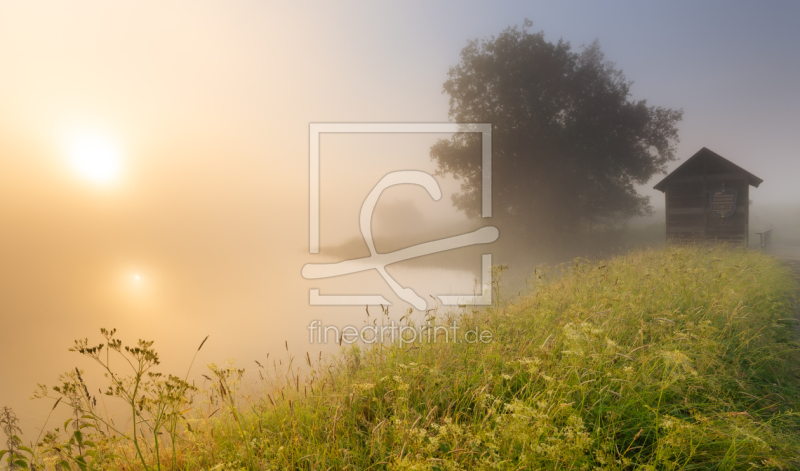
(568, 143)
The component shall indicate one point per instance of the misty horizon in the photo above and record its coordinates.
(198, 222)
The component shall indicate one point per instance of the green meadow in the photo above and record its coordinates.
(659, 359)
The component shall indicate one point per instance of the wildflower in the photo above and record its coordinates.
(10, 425)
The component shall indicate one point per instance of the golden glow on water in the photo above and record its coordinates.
(137, 285)
(154, 166)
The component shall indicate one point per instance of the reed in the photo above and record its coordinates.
(660, 359)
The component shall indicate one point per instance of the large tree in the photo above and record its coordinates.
(569, 143)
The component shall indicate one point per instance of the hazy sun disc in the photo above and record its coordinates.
(95, 157)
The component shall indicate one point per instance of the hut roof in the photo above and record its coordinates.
(694, 163)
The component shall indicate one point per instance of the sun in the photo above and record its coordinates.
(95, 156)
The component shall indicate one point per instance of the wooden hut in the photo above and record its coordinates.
(708, 198)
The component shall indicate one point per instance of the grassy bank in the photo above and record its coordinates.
(681, 358)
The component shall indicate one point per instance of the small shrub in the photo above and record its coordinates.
(677, 358)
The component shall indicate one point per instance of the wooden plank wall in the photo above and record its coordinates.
(733, 228)
(689, 216)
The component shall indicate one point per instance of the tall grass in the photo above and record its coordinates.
(679, 358)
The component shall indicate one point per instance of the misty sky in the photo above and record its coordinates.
(208, 106)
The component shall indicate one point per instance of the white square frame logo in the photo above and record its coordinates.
(317, 129)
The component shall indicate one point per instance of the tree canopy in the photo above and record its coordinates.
(569, 143)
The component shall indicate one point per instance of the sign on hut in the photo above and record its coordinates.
(708, 198)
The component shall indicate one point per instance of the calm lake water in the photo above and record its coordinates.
(245, 323)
